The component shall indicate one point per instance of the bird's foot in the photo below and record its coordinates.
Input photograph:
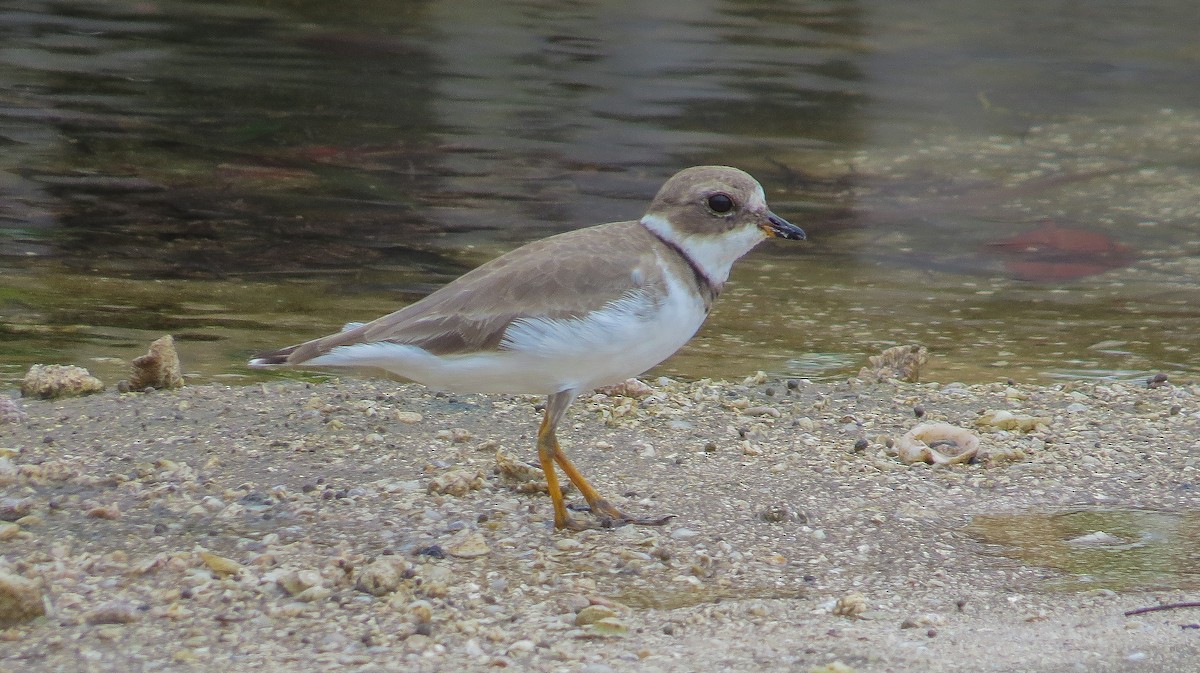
(607, 515)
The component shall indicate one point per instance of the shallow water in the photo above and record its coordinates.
(247, 175)
(1122, 550)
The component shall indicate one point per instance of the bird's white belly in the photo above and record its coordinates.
(541, 356)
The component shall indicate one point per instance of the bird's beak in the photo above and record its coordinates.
(777, 227)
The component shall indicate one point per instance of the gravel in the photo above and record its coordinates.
(363, 525)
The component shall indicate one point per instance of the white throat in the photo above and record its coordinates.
(713, 254)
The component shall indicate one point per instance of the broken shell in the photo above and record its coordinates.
(937, 443)
(1002, 419)
(220, 564)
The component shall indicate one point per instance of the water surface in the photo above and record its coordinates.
(247, 175)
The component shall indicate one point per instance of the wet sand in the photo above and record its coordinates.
(364, 526)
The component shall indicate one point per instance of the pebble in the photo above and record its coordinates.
(851, 605)
(114, 612)
(10, 411)
(110, 512)
(297, 581)
(683, 534)
(567, 544)
(457, 482)
(762, 411)
(54, 381)
(382, 576)
(609, 626)
(408, 417)
(220, 564)
(467, 544)
(593, 613)
(455, 435)
(20, 599)
(12, 509)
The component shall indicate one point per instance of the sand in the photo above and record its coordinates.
(365, 526)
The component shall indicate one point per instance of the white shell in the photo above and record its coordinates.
(937, 443)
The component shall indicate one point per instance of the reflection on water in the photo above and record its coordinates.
(246, 175)
(1102, 549)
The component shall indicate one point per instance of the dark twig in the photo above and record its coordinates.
(1168, 606)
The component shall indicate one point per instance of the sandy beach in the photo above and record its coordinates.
(369, 526)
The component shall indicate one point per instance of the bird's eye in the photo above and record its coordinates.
(720, 203)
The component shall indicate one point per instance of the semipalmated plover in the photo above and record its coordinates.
(571, 312)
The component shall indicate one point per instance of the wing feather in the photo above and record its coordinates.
(581, 270)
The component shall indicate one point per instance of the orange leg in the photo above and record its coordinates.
(549, 453)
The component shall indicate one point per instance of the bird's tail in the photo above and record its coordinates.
(272, 358)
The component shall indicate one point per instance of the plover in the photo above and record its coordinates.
(569, 313)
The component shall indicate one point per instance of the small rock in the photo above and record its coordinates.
(295, 582)
(114, 612)
(159, 368)
(456, 482)
(593, 613)
(110, 512)
(314, 594)
(851, 605)
(20, 599)
(628, 388)
(762, 411)
(10, 411)
(382, 576)
(523, 646)
(609, 626)
(408, 417)
(53, 381)
(422, 611)
(12, 509)
(1002, 419)
(903, 363)
(683, 534)
(456, 435)
(567, 544)
(832, 667)
(780, 512)
(1097, 539)
(467, 544)
(521, 476)
(220, 564)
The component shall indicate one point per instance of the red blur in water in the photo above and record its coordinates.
(1054, 253)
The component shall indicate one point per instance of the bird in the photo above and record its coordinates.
(569, 313)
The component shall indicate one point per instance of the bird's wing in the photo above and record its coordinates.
(561, 277)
